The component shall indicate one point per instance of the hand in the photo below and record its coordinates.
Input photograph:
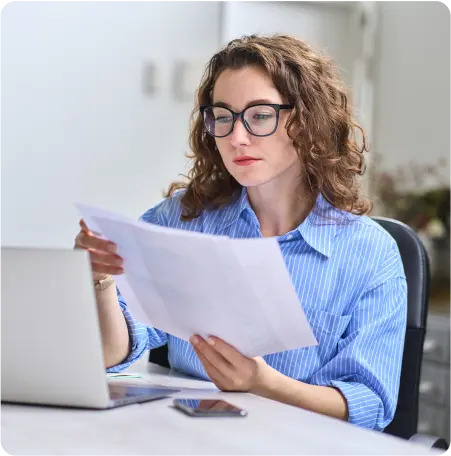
(103, 253)
(227, 367)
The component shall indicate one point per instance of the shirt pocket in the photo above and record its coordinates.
(326, 325)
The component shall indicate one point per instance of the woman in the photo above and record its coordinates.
(275, 154)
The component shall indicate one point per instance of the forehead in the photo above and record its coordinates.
(238, 88)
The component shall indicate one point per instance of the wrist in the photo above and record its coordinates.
(99, 276)
(103, 282)
(265, 378)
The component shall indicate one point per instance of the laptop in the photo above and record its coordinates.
(50, 341)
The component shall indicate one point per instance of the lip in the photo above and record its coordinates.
(245, 158)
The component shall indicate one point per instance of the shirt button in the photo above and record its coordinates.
(290, 237)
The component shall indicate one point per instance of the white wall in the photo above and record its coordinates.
(76, 124)
(333, 28)
(326, 26)
(412, 83)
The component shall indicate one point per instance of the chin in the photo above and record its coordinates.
(251, 181)
(251, 176)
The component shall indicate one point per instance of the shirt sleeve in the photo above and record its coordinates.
(367, 366)
(142, 337)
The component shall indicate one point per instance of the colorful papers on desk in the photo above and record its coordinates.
(187, 283)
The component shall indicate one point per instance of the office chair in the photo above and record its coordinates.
(416, 267)
(159, 356)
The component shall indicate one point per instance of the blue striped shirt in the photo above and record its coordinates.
(350, 280)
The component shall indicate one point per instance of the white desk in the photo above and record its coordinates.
(157, 428)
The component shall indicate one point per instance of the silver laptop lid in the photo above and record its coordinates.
(51, 345)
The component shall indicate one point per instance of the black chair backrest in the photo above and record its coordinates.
(159, 356)
(416, 267)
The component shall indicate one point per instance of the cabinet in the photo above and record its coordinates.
(434, 409)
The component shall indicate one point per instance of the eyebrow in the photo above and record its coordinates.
(250, 103)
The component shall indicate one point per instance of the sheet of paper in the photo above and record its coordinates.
(186, 283)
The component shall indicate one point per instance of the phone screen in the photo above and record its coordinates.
(208, 407)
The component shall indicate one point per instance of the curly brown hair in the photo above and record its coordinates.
(321, 126)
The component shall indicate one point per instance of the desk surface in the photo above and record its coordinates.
(157, 428)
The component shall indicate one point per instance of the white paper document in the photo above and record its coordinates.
(186, 283)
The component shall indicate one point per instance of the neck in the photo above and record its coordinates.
(280, 206)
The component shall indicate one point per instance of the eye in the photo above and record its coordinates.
(223, 119)
(262, 116)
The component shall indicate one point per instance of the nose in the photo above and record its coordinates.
(239, 136)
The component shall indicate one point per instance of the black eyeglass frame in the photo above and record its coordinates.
(236, 115)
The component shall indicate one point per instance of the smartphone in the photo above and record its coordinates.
(208, 407)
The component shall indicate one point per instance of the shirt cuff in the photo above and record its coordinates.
(365, 408)
(138, 341)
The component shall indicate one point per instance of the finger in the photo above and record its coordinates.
(85, 228)
(109, 259)
(212, 355)
(229, 353)
(213, 372)
(215, 375)
(89, 241)
(106, 269)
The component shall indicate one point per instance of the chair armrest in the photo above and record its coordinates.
(431, 441)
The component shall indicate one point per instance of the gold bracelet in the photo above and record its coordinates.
(102, 284)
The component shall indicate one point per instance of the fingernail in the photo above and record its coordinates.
(210, 341)
(112, 248)
(194, 340)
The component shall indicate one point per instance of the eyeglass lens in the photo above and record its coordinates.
(260, 120)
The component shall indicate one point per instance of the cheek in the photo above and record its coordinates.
(292, 153)
(281, 149)
(224, 150)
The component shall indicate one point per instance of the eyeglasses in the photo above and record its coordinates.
(259, 119)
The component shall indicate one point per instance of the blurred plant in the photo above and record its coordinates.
(418, 195)
(414, 194)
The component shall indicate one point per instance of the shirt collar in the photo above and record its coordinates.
(235, 209)
(321, 226)
(318, 229)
